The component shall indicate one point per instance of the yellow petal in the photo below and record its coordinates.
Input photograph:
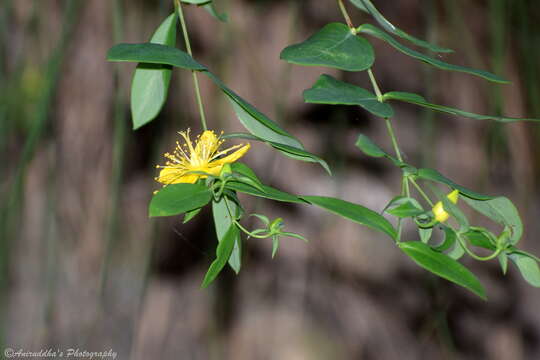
(175, 176)
(232, 157)
(440, 214)
(453, 196)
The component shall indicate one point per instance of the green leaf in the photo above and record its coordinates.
(502, 211)
(176, 199)
(154, 54)
(222, 223)
(443, 266)
(457, 251)
(246, 171)
(354, 212)
(287, 150)
(197, 2)
(275, 245)
(378, 33)
(253, 120)
(223, 253)
(425, 234)
(190, 215)
(211, 8)
(503, 261)
(450, 238)
(528, 268)
(150, 83)
(328, 90)
(368, 147)
(333, 46)
(479, 237)
(367, 6)
(300, 154)
(404, 207)
(416, 99)
(261, 127)
(434, 175)
(359, 5)
(269, 193)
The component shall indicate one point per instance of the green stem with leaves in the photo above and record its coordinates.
(178, 6)
(476, 257)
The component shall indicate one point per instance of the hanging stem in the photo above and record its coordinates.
(422, 192)
(246, 231)
(178, 6)
(346, 15)
(375, 85)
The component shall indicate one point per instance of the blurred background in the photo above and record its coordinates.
(82, 266)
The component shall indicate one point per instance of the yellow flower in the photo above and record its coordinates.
(204, 157)
(438, 210)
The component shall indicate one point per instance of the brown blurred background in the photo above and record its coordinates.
(82, 266)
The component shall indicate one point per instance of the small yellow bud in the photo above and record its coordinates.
(438, 210)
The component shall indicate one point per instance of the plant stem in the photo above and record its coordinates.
(424, 195)
(178, 6)
(375, 85)
(246, 231)
(476, 257)
(346, 15)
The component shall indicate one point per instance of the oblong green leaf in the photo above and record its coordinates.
(287, 150)
(154, 54)
(176, 199)
(253, 120)
(243, 169)
(328, 90)
(416, 99)
(150, 83)
(378, 33)
(367, 6)
(222, 224)
(190, 215)
(368, 147)
(443, 266)
(223, 253)
(269, 192)
(333, 46)
(434, 175)
(403, 207)
(502, 211)
(211, 9)
(300, 154)
(528, 267)
(354, 212)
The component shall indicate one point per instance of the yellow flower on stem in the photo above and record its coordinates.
(438, 210)
(188, 161)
